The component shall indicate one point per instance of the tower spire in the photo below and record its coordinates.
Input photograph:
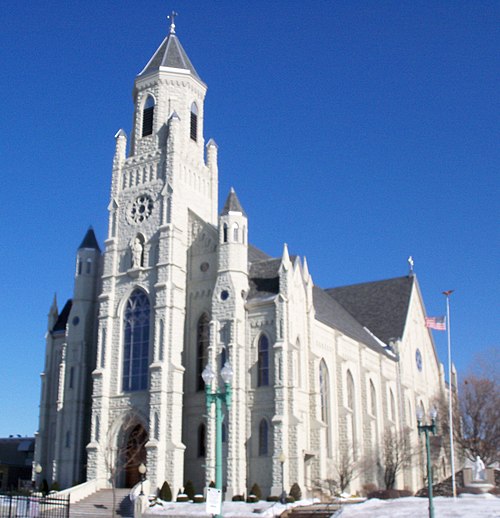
(171, 17)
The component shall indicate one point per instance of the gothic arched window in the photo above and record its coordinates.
(263, 361)
(194, 122)
(236, 233)
(202, 340)
(373, 399)
(350, 390)
(224, 233)
(136, 342)
(392, 409)
(324, 391)
(147, 116)
(263, 437)
(202, 448)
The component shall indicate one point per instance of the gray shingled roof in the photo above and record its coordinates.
(381, 306)
(170, 54)
(263, 278)
(90, 241)
(232, 204)
(331, 313)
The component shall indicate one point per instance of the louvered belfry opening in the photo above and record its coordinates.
(147, 117)
(194, 122)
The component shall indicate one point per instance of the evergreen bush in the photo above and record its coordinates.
(165, 492)
(295, 491)
(256, 491)
(189, 489)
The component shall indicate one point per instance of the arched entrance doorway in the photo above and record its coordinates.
(135, 454)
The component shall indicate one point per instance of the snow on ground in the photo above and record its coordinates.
(465, 506)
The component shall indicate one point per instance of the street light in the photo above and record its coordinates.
(282, 459)
(218, 397)
(426, 428)
(142, 471)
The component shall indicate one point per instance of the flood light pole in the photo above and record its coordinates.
(218, 397)
(426, 428)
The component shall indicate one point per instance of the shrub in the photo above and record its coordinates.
(295, 491)
(212, 484)
(44, 487)
(189, 489)
(252, 499)
(273, 498)
(256, 491)
(198, 499)
(55, 486)
(469, 490)
(181, 497)
(238, 498)
(165, 492)
(385, 494)
(290, 500)
(369, 488)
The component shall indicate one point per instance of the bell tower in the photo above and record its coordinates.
(158, 186)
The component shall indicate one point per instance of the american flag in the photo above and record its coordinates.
(438, 323)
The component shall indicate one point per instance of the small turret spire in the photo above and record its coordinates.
(171, 17)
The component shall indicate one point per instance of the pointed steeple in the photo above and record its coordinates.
(170, 54)
(90, 241)
(232, 204)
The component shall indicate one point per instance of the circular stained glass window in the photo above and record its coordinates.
(204, 267)
(76, 321)
(224, 294)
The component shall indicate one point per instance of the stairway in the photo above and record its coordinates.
(101, 503)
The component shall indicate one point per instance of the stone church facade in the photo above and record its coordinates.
(320, 375)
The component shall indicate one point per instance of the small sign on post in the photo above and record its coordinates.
(214, 501)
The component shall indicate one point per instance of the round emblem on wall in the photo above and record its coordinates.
(141, 208)
(224, 294)
(76, 321)
(204, 267)
(418, 359)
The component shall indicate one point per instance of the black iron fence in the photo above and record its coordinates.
(22, 506)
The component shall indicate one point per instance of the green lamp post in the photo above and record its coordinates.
(218, 397)
(426, 428)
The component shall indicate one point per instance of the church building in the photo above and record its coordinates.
(319, 375)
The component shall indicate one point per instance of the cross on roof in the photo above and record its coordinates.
(171, 17)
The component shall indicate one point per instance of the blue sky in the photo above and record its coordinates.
(357, 132)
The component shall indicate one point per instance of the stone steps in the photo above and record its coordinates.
(314, 511)
(101, 503)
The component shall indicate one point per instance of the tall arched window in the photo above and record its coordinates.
(136, 342)
(236, 233)
(373, 399)
(161, 338)
(194, 122)
(224, 233)
(88, 268)
(202, 340)
(324, 391)
(263, 361)
(350, 390)
(202, 444)
(263, 437)
(147, 116)
(392, 407)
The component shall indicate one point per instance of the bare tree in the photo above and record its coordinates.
(346, 469)
(480, 418)
(397, 453)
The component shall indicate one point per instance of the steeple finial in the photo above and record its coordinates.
(411, 264)
(171, 17)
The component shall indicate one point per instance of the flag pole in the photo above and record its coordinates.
(450, 402)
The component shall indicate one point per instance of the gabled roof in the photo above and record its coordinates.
(90, 241)
(62, 319)
(331, 313)
(381, 306)
(170, 54)
(232, 204)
